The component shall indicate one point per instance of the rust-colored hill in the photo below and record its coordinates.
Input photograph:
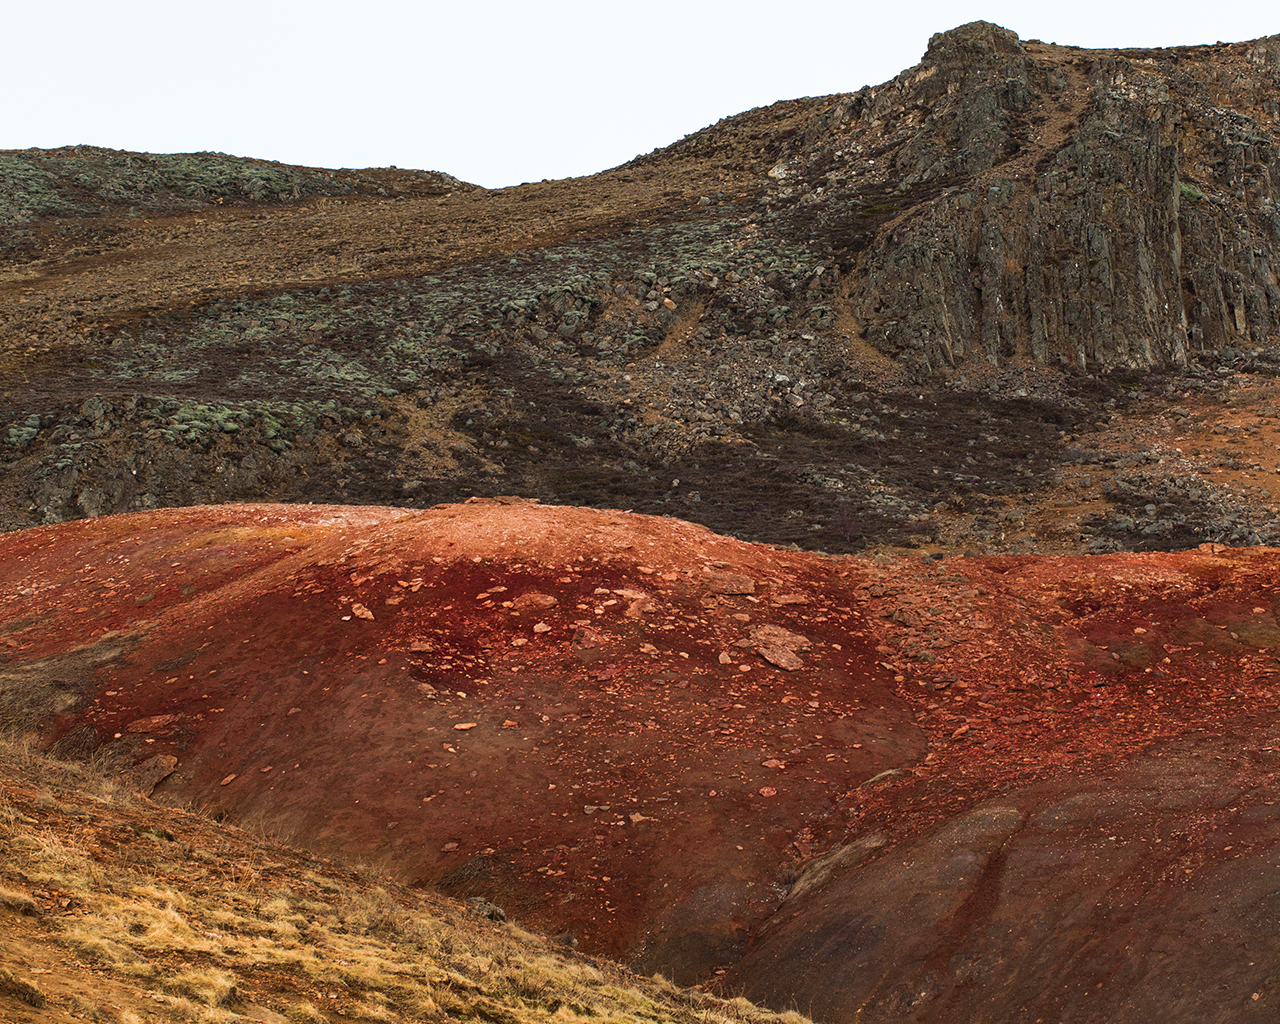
(956, 788)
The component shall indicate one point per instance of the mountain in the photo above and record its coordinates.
(1020, 280)
(823, 561)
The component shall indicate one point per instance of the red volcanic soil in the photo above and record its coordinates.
(639, 732)
(563, 710)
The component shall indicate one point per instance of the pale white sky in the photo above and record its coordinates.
(494, 91)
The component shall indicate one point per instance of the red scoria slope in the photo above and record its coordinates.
(642, 733)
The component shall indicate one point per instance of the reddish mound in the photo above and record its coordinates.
(575, 713)
(620, 726)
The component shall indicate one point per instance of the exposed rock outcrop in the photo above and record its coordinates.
(1097, 208)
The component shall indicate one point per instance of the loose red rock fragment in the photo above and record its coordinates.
(776, 636)
(534, 600)
(143, 778)
(730, 584)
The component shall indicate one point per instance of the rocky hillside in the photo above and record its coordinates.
(1000, 303)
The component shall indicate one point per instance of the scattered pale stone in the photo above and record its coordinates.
(464, 726)
(776, 636)
(228, 780)
(782, 657)
(638, 606)
(360, 611)
(534, 600)
(730, 583)
(541, 627)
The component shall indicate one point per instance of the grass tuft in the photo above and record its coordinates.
(23, 991)
(209, 987)
(19, 902)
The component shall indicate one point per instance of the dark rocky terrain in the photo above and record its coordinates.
(908, 317)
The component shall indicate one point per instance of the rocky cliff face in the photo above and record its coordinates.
(1093, 208)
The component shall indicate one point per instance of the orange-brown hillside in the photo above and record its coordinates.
(639, 732)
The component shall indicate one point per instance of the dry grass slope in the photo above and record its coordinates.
(185, 919)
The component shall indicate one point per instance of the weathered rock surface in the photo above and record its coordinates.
(1096, 208)
(1040, 906)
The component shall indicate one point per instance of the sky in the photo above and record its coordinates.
(493, 91)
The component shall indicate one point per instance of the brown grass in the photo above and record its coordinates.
(23, 991)
(200, 920)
